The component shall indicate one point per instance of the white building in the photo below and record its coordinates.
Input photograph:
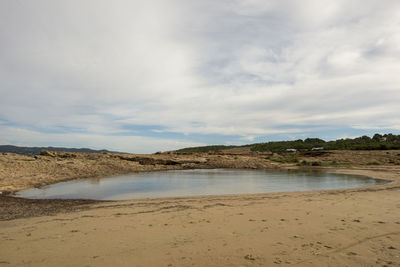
(317, 148)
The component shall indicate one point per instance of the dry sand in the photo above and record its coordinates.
(357, 227)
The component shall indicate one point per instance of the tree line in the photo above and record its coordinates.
(377, 142)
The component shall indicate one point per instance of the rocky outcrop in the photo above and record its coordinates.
(47, 153)
(150, 161)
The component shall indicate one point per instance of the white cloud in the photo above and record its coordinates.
(247, 67)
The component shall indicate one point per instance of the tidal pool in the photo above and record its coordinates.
(183, 183)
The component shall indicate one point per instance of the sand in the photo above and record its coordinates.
(356, 227)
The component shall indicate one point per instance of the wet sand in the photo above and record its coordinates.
(355, 227)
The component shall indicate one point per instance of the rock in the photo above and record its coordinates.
(67, 155)
(5, 193)
(150, 161)
(47, 153)
(249, 257)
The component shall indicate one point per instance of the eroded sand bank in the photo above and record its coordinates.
(357, 227)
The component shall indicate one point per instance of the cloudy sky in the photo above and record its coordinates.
(144, 76)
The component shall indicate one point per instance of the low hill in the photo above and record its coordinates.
(36, 150)
(377, 142)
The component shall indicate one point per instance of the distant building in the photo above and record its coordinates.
(317, 148)
(291, 150)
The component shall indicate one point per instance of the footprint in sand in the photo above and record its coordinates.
(249, 257)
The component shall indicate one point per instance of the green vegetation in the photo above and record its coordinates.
(377, 142)
(281, 146)
(287, 159)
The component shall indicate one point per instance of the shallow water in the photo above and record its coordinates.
(180, 183)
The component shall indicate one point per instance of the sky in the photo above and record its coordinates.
(157, 75)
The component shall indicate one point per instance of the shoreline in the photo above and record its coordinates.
(279, 168)
(338, 171)
(70, 205)
(18, 172)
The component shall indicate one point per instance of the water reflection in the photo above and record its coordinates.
(180, 183)
(94, 181)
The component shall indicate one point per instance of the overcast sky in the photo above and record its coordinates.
(155, 75)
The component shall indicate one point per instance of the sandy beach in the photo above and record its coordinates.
(355, 227)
